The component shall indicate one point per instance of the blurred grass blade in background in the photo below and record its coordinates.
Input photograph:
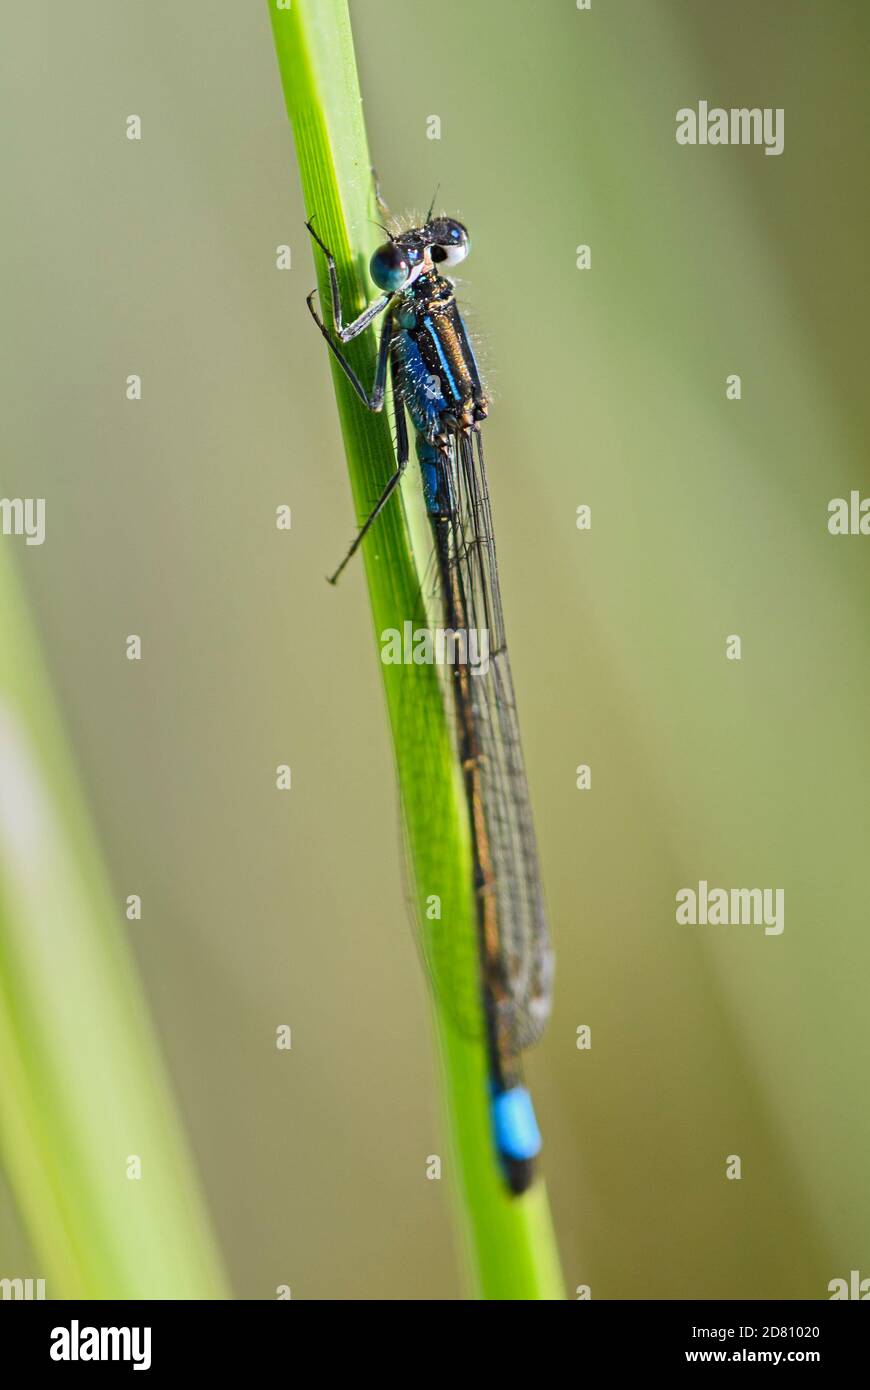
(509, 1242)
(82, 1087)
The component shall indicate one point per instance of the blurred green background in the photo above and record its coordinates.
(709, 518)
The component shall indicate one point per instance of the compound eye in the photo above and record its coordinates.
(450, 241)
(390, 267)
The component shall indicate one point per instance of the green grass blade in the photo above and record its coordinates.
(81, 1080)
(509, 1242)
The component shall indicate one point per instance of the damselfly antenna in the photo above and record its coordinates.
(432, 204)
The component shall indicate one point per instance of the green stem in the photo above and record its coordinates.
(508, 1241)
(82, 1086)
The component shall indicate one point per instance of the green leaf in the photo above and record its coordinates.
(82, 1085)
(508, 1241)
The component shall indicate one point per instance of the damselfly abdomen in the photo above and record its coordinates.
(435, 381)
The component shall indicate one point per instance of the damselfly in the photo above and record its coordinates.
(435, 381)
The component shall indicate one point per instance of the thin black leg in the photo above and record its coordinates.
(346, 332)
(401, 463)
(375, 401)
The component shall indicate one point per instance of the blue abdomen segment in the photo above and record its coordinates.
(435, 481)
(517, 1137)
(421, 389)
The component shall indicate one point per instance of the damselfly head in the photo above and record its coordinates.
(447, 240)
(440, 241)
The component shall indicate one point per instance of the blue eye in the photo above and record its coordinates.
(390, 267)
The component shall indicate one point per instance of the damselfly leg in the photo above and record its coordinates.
(375, 401)
(346, 332)
(401, 464)
(381, 201)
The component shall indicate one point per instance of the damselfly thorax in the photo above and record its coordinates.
(435, 368)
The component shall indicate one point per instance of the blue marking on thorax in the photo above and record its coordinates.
(516, 1129)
